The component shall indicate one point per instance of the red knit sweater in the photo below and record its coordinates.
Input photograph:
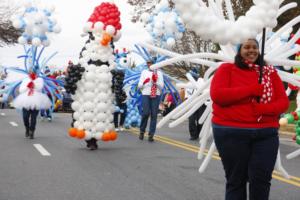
(234, 103)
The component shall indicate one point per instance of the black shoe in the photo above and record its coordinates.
(141, 137)
(31, 134)
(88, 143)
(93, 144)
(193, 138)
(150, 138)
(27, 133)
(93, 147)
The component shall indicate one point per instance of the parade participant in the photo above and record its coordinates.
(194, 125)
(245, 131)
(90, 83)
(151, 83)
(31, 100)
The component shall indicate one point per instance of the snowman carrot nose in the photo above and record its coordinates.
(106, 38)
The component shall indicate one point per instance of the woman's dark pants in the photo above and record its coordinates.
(29, 118)
(248, 155)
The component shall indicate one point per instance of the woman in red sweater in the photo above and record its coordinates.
(246, 131)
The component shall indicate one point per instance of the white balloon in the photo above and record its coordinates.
(98, 25)
(98, 135)
(145, 17)
(91, 76)
(22, 40)
(110, 30)
(89, 85)
(88, 116)
(46, 43)
(36, 41)
(89, 96)
(87, 125)
(88, 106)
(88, 135)
(171, 42)
(17, 24)
(57, 29)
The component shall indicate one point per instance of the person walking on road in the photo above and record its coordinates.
(30, 101)
(245, 130)
(151, 84)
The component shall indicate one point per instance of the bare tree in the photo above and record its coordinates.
(8, 34)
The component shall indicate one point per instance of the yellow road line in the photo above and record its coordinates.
(291, 177)
(177, 142)
(280, 178)
(276, 175)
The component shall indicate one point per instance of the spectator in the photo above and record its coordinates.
(169, 104)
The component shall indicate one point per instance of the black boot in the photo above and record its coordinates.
(141, 137)
(27, 133)
(31, 134)
(93, 144)
(88, 143)
(150, 138)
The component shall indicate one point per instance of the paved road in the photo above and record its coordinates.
(127, 169)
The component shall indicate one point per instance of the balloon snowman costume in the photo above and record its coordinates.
(31, 96)
(208, 21)
(93, 99)
(36, 24)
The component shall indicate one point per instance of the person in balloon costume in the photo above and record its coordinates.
(30, 101)
(90, 83)
(246, 130)
(151, 84)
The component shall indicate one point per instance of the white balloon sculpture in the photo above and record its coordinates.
(165, 26)
(210, 19)
(209, 22)
(36, 23)
(93, 100)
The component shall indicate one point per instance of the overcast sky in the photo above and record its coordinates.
(72, 15)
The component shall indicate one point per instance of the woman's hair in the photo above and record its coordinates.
(239, 61)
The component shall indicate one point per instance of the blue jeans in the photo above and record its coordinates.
(29, 118)
(149, 108)
(46, 113)
(248, 155)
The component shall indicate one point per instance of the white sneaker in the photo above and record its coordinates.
(117, 129)
(121, 129)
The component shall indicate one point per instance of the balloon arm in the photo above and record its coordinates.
(172, 54)
(38, 58)
(188, 57)
(44, 63)
(283, 29)
(276, 52)
(286, 7)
